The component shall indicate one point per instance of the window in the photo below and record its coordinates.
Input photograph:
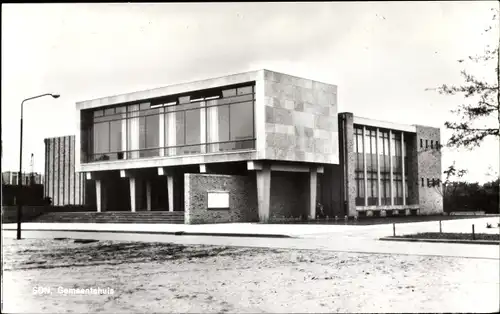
(421, 143)
(422, 182)
(203, 122)
(428, 182)
(241, 127)
(385, 177)
(397, 168)
(432, 144)
(359, 167)
(371, 166)
(426, 143)
(437, 145)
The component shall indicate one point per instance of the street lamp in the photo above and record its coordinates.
(20, 179)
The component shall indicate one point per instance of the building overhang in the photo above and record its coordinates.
(384, 125)
(172, 90)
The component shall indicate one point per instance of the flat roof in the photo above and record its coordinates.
(385, 124)
(186, 87)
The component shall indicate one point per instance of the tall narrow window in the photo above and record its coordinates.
(397, 169)
(372, 167)
(359, 168)
(385, 178)
(133, 135)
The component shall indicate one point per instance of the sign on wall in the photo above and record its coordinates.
(218, 200)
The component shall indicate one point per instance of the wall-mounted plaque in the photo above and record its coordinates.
(218, 200)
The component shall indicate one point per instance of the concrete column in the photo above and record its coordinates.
(379, 190)
(148, 195)
(170, 191)
(365, 172)
(162, 141)
(313, 181)
(390, 167)
(100, 193)
(264, 192)
(133, 202)
(403, 165)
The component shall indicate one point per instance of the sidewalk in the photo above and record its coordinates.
(228, 229)
(274, 230)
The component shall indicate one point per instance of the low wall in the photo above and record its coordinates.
(242, 198)
(9, 213)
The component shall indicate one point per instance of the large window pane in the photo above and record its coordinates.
(116, 136)
(193, 131)
(133, 131)
(101, 141)
(218, 128)
(241, 126)
(151, 134)
(180, 127)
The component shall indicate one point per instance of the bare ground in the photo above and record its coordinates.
(159, 277)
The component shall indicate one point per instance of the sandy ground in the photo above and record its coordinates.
(159, 277)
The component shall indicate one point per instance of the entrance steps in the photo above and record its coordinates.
(164, 217)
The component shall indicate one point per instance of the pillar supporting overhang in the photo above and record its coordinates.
(258, 165)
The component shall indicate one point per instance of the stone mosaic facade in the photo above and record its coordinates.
(242, 198)
(300, 119)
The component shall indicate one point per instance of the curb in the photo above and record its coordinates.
(486, 242)
(176, 233)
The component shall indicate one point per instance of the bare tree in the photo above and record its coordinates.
(483, 101)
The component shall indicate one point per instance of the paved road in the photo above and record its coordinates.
(336, 242)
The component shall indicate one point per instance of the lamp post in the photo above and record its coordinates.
(19, 178)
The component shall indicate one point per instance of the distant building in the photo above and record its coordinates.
(11, 178)
(244, 147)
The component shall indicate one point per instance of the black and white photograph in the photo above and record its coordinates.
(250, 157)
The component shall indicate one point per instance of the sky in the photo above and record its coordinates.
(381, 55)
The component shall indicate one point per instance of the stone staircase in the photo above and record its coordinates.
(153, 217)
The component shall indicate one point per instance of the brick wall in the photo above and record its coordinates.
(242, 198)
(428, 167)
(300, 119)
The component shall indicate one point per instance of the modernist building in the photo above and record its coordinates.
(250, 147)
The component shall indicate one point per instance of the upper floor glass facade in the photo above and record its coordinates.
(390, 159)
(208, 121)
